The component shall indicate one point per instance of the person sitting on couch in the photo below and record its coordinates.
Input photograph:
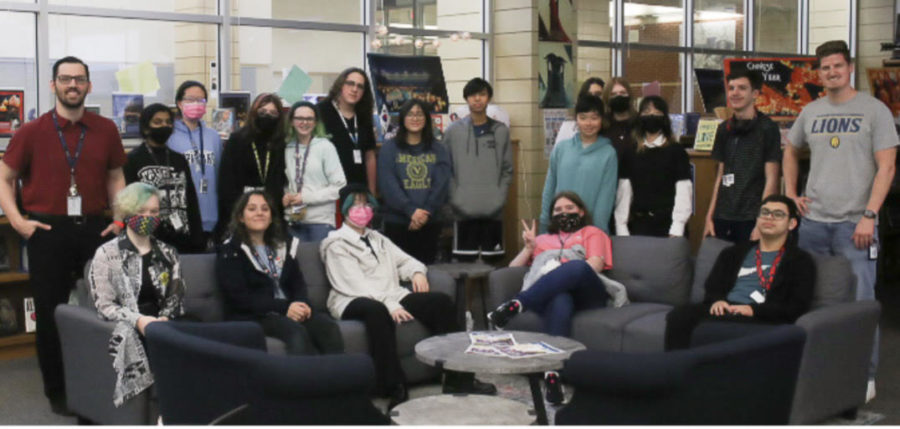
(135, 280)
(259, 276)
(365, 269)
(565, 274)
(766, 281)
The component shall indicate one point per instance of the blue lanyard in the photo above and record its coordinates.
(62, 140)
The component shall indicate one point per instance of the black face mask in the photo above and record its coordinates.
(652, 124)
(160, 135)
(566, 222)
(619, 103)
(266, 123)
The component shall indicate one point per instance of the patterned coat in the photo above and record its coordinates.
(115, 284)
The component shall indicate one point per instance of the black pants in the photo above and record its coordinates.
(735, 231)
(317, 335)
(56, 260)
(433, 309)
(421, 244)
(681, 321)
(655, 224)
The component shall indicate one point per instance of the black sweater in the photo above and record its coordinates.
(792, 288)
(250, 293)
(239, 170)
(334, 126)
(177, 196)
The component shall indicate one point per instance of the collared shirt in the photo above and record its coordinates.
(36, 154)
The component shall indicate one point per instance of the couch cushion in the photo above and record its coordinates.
(646, 334)
(835, 281)
(202, 298)
(653, 269)
(706, 258)
(317, 286)
(603, 328)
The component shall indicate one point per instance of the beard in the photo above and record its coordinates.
(61, 97)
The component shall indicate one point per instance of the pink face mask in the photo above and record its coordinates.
(360, 215)
(193, 110)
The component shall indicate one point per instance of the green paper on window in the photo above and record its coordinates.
(294, 85)
(138, 79)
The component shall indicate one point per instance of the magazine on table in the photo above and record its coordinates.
(505, 345)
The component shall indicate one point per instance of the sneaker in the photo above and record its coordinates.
(870, 391)
(466, 383)
(504, 313)
(554, 393)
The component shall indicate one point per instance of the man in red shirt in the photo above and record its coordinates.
(70, 163)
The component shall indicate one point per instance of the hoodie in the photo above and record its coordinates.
(357, 271)
(482, 169)
(412, 178)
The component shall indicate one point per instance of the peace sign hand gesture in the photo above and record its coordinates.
(528, 234)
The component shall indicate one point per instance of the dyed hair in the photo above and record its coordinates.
(70, 60)
(366, 104)
(274, 234)
(131, 198)
(476, 85)
(148, 113)
(289, 131)
(573, 197)
(402, 132)
(660, 104)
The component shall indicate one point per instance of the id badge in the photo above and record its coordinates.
(253, 188)
(728, 179)
(74, 205)
(204, 186)
(873, 251)
(357, 156)
(758, 297)
(176, 222)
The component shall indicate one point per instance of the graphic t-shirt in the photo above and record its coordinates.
(748, 279)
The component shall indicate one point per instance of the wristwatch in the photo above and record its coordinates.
(869, 214)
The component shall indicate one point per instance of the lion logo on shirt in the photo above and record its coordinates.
(835, 142)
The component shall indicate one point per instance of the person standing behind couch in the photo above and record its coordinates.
(413, 176)
(70, 163)
(314, 175)
(202, 148)
(135, 280)
(258, 274)
(482, 171)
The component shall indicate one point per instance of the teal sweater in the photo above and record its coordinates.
(590, 172)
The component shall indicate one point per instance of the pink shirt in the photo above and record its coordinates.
(593, 239)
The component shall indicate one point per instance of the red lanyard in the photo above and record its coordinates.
(763, 281)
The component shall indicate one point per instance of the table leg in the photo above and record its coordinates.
(461, 301)
(539, 410)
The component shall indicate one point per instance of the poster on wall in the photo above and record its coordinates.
(127, 113)
(556, 21)
(396, 79)
(12, 113)
(239, 101)
(884, 83)
(553, 120)
(223, 122)
(788, 83)
(556, 81)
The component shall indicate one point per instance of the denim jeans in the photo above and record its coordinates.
(837, 239)
(310, 231)
(558, 294)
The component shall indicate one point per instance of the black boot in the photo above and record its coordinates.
(465, 382)
(398, 396)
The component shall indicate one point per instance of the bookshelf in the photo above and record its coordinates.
(14, 287)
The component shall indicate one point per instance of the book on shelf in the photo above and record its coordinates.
(30, 319)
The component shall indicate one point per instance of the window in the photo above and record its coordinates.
(646, 66)
(776, 26)
(333, 11)
(17, 66)
(718, 24)
(455, 15)
(658, 23)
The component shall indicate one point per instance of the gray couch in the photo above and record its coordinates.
(88, 367)
(659, 273)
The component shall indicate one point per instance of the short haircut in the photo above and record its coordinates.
(477, 85)
(753, 76)
(832, 47)
(589, 103)
(70, 60)
(348, 195)
(186, 85)
(130, 199)
(586, 86)
(793, 213)
(148, 113)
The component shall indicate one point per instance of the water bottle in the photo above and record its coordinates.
(470, 323)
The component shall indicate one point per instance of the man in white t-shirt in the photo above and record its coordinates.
(853, 148)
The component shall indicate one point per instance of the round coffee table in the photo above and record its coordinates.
(461, 410)
(449, 352)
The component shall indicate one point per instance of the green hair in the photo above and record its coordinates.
(130, 200)
(350, 198)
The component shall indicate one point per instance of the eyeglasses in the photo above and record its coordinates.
(66, 79)
(774, 214)
(306, 119)
(188, 100)
(351, 83)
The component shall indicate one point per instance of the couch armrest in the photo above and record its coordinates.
(440, 281)
(626, 373)
(503, 284)
(834, 370)
(311, 376)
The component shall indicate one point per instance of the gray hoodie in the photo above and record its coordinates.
(482, 169)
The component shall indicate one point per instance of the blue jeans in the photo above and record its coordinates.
(837, 239)
(558, 294)
(310, 231)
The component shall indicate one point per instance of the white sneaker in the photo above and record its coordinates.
(870, 391)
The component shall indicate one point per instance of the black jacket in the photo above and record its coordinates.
(248, 291)
(792, 288)
(177, 195)
(334, 126)
(239, 170)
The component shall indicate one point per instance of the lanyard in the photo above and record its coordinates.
(298, 171)
(168, 172)
(562, 244)
(354, 136)
(270, 267)
(763, 281)
(72, 160)
(263, 173)
(200, 157)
